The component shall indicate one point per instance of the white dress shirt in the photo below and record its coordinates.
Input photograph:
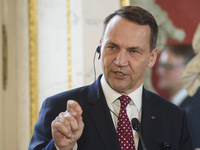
(133, 108)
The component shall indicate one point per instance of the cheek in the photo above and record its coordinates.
(172, 77)
(138, 69)
(177, 75)
(105, 63)
(107, 60)
(160, 71)
(139, 64)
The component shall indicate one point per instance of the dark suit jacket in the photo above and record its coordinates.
(192, 106)
(161, 121)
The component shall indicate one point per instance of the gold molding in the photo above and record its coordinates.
(5, 57)
(124, 3)
(33, 63)
(69, 45)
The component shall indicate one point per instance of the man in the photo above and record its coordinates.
(171, 65)
(127, 48)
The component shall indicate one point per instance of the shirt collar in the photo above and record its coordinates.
(178, 98)
(111, 95)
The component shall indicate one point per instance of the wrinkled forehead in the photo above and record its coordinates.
(121, 26)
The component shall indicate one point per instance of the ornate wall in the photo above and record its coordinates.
(14, 95)
(59, 42)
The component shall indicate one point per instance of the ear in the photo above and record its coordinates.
(153, 57)
(100, 40)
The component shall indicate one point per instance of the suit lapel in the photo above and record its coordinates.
(150, 119)
(101, 117)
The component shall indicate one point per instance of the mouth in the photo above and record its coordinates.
(120, 75)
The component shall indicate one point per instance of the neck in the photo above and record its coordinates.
(173, 91)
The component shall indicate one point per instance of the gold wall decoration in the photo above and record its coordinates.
(125, 3)
(69, 45)
(5, 57)
(33, 63)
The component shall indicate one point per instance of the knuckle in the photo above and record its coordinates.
(59, 125)
(70, 117)
(62, 114)
(67, 123)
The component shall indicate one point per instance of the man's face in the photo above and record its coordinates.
(169, 70)
(125, 54)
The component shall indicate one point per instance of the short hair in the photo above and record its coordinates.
(138, 15)
(182, 50)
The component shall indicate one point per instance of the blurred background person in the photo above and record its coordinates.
(171, 64)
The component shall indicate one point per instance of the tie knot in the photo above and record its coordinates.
(124, 101)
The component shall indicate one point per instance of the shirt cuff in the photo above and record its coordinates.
(74, 148)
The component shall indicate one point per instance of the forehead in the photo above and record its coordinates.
(168, 56)
(124, 30)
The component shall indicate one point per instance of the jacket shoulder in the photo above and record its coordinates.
(156, 100)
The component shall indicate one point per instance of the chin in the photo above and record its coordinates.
(118, 88)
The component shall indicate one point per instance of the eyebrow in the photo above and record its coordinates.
(129, 48)
(136, 48)
(112, 43)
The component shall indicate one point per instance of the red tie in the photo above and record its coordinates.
(124, 129)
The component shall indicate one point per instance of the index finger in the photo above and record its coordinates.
(74, 108)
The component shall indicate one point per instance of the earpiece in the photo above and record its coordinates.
(98, 50)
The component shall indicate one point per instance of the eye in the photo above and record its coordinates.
(111, 49)
(133, 51)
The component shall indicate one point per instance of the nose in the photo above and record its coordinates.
(121, 59)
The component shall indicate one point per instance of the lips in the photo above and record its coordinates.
(120, 74)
